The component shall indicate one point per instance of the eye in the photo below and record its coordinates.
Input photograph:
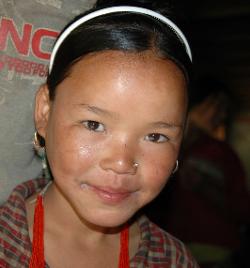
(93, 126)
(157, 138)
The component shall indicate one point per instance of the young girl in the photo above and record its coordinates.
(112, 115)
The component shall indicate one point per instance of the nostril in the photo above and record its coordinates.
(120, 166)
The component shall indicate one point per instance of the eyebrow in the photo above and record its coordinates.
(97, 110)
(162, 124)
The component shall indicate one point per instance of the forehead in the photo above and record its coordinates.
(135, 65)
(132, 78)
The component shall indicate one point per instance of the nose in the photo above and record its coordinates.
(120, 159)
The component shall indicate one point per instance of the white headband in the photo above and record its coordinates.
(117, 9)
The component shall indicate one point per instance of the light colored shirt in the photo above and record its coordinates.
(27, 31)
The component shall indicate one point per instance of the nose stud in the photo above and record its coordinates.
(135, 165)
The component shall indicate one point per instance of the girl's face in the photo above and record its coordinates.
(115, 109)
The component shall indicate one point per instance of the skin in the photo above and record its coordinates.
(114, 109)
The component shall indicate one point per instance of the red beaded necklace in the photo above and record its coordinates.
(37, 258)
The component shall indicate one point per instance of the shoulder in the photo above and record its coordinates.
(205, 143)
(15, 246)
(158, 248)
(14, 238)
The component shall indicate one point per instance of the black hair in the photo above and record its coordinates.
(214, 90)
(209, 87)
(126, 32)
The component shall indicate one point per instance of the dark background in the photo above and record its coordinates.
(219, 31)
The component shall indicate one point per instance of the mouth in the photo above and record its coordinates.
(107, 194)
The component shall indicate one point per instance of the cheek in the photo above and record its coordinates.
(158, 168)
(68, 153)
(158, 176)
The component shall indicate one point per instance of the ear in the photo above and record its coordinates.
(42, 110)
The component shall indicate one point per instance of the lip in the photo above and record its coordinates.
(109, 195)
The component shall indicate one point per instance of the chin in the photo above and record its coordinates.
(110, 220)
